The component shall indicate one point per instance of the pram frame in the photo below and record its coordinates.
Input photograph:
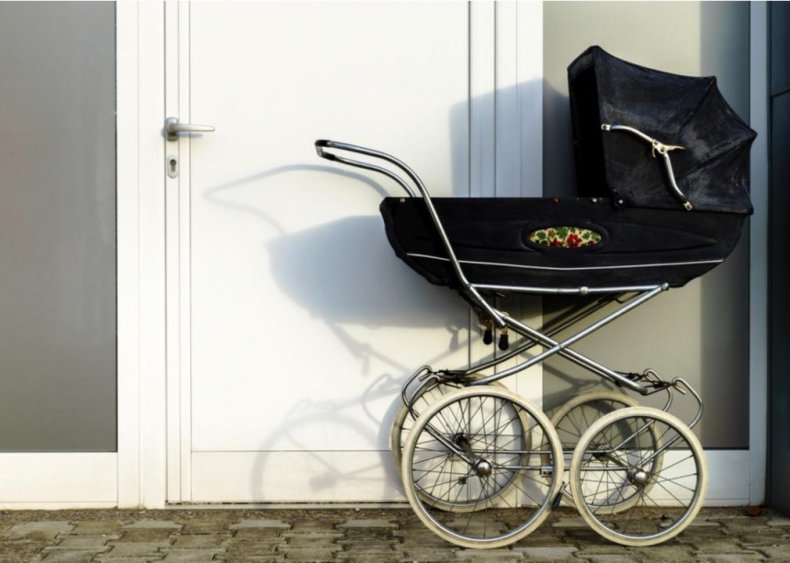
(471, 293)
(475, 388)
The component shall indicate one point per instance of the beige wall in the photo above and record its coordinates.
(699, 332)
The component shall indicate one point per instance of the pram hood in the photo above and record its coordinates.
(712, 170)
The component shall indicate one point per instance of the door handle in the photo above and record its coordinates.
(173, 128)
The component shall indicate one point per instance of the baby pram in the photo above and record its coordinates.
(481, 466)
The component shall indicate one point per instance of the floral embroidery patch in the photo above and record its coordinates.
(565, 237)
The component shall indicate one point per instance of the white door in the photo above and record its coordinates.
(291, 323)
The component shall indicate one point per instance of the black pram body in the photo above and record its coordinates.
(629, 226)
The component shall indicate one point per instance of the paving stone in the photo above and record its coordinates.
(253, 540)
(502, 554)
(422, 539)
(762, 531)
(97, 543)
(751, 541)
(146, 534)
(267, 558)
(251, 548)
(558, 553)
(153, 524)
(570, 522)
(727, 514)
(478, 528)
(211, 526)
(313, 534)
(325, 536)
(259, 534)
(704, 536)
(429, 554)
(774, 552)
(715, 548)
(368, 523)
(38, 531)
(96, 528)
(603, 547)
(371, 543)
(745, 524)
(71, 556)
(19, 552)
(316, 553)
(546, 541)
(370, 534)
(321, 546)
(667, 552)
(378, 558)
(256, 558)
(265, 523)
(312, 524)
(134, 549)
(196, 555)
(614, 558)
(200, 540)
(370, 548)
(728, 558)
(586, 535)
(704, 523)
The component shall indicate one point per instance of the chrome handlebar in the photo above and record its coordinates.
(322, 144)
(320, 147)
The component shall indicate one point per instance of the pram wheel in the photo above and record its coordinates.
(404, 421)
(648, 458)
(482, 450)
(402, 425)
(573, 419)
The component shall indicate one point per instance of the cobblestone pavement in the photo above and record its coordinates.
(115, 536)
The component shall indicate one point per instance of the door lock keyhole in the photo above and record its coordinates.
(172, 166)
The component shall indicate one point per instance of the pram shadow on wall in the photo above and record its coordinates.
(315, 267)
(326, 473)
(318, 250)
(352, 248)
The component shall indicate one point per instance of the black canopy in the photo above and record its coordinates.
(672, 110)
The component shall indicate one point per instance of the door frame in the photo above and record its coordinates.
(758, 254)
(141, 257)
(141, 463)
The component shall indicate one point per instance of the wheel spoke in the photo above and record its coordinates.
(636, 440)
(497, 495)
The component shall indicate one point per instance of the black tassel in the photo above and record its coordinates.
(504, 340)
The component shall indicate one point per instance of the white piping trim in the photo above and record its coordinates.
(658, 265)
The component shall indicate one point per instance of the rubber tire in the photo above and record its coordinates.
(395, 437)
(684, 431)
(412, 494)
(396, 441)
(583, 399)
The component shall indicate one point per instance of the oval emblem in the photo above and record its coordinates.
(565, 237)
